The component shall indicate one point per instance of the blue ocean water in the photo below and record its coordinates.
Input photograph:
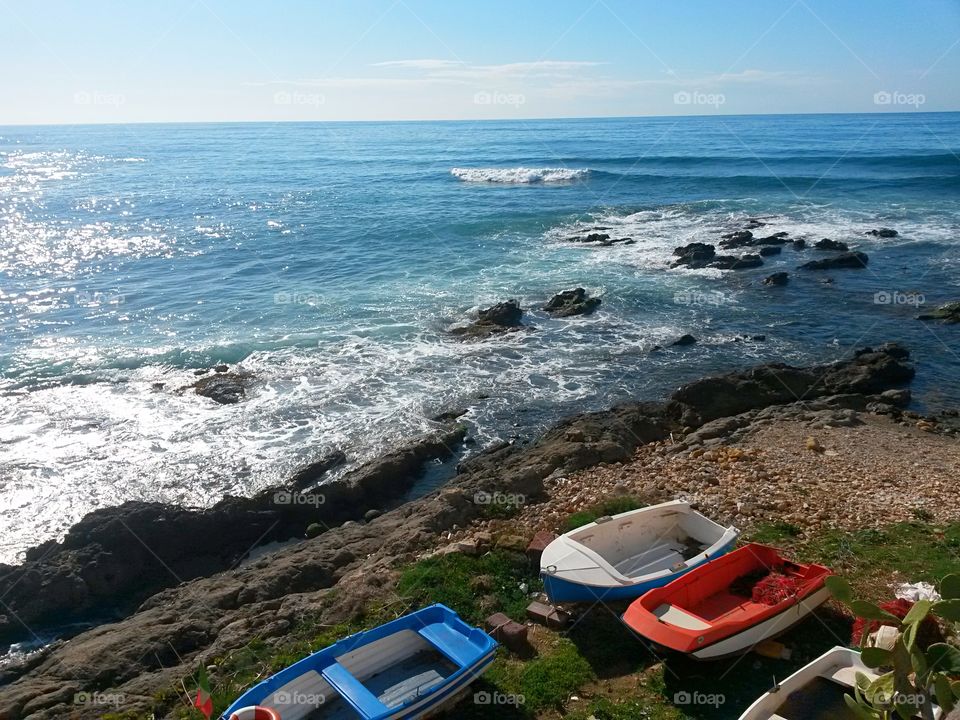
(330, 259)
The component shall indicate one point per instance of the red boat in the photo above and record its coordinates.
(729, 604)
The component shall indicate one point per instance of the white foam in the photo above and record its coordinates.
(520, 175)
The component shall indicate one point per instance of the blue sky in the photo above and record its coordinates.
(217, 60)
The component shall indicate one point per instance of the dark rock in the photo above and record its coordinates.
(224, 388)
(507, 314)
(222, 368)
(799, 244)
(501, 318)
(778, 238)
(845, 260)
(900, 397)
(449, 415)
(883, 232)
(201, 371)
(314, 530)
(870, 371)
(572, 302)
(737, 236)
(312, 473)
(770, 250)
(778, 279)
(372, 514)
(590, 238)
(695, 254)
(684, 340)
(753, 223)
(729, 262)
(949, 313)
(116, 557)
(828, 244)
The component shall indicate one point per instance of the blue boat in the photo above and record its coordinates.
(411, 667)
(623, 556)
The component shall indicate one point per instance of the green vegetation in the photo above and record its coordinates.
(475, 587)
(610, 506)
(775, 532)
(911, 676)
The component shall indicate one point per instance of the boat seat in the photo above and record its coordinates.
(659, 557)
(352, 690)
(845, 675)
(680, 618)
(449, 642)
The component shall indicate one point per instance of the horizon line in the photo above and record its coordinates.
(467, 120)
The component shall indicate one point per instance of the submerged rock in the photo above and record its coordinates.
(225, 388)
(883, 232)
(694, 255)
(684, 340)
(828, 244)
(778, 279)
(949, 313)
(770, 250)
(730, 262)
(501, 318)
(845, 260)
(572, 302)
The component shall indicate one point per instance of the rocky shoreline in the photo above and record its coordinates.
(172, 574)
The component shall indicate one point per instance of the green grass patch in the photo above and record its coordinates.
(772, 533)
(546, 681)
(474, 587)
(610, 506)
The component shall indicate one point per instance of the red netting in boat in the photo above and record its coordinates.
(928, 634)
(774, 588)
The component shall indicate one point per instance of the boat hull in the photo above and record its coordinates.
(777, 625)
(560, 590)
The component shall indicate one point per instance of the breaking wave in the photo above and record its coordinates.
(520, 175)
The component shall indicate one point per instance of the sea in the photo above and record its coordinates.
(330, 261)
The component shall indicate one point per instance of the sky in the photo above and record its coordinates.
(100, 61)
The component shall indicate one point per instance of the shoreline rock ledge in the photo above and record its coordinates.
(334, 574)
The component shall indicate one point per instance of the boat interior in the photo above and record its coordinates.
(379, 676)
(638, 545)
(721, 592)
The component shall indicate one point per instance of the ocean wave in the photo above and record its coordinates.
(520, 175)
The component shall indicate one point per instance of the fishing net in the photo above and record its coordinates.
(928, 633)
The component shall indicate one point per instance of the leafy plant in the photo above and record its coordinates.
(914, 677)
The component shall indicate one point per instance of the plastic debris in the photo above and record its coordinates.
(917, 591)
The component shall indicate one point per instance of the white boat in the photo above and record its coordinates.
(815, 691)
(623, 556)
